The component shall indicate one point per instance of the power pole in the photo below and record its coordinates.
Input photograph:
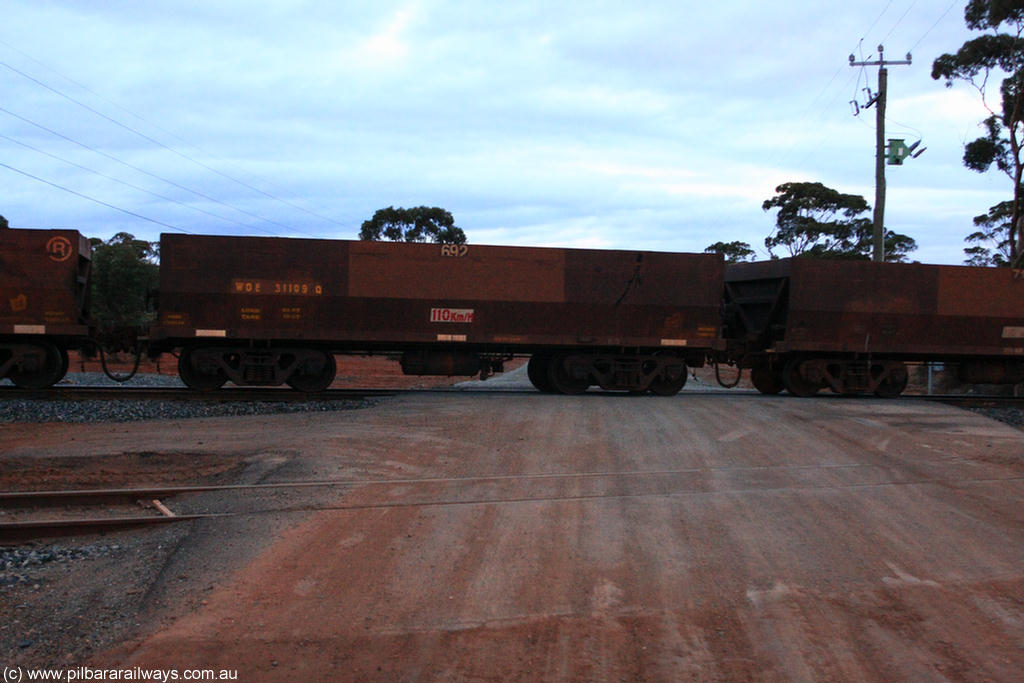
(878, 254)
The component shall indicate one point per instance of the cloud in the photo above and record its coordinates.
(656, 124)
(390, 43)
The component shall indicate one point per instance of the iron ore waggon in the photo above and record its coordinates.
(44, 303)
(268, 311)
(851, 326)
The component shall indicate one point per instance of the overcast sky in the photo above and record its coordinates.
(658, 125)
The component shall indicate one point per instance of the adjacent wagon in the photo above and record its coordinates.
(44, 297)
(851, 326)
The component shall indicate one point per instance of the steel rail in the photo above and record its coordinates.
(277, 394)
(124, 393)
(43, 529)
(49, 528)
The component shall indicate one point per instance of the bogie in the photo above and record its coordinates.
(38, 365)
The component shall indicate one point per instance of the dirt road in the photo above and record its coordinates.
(710, 537)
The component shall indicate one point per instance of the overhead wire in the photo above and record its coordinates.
(783, 157)
(913, 47)
(877, 19)
(129, 185)
(160, 144)
(888, 34)
(93, 199)
(143, 171)
(898, 22)
(152, 140)
(937, 22)
(861, 73)
(141, 118)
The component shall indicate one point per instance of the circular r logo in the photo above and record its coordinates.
(59, 248)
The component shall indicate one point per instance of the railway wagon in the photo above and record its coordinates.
(44, 303)
(807, 324)
(274, 310)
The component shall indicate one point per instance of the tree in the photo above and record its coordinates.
(974, 63)
(817, 221)
(991, 244)
(3, 223)
(733, 252)
(124, 270)
(417, 224)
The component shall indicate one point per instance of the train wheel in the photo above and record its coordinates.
(318, 380)
(894, 383)
(669, 383)
(50, 368)
(194, 378)
(560, 379)
(537, 371)
(795, 383)
(766, 380)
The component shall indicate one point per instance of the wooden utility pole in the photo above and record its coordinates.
(878, 253)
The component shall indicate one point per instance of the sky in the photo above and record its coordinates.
(655, 125)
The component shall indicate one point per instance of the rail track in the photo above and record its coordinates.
(974, 401)
(120, 393)
(275, 394)
(76, 511)
(49, 514)
(232, 394)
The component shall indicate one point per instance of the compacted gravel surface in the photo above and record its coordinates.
(529, 537)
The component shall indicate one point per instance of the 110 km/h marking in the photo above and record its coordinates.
(451, 315)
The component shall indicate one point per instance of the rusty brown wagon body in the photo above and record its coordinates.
(44, 293)
(805, 324)
(272, 310)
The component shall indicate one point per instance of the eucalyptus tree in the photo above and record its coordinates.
(817, 221)
(416, 224)
(998, 54)
(732, 252)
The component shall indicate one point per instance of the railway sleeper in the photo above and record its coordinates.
(209, 368)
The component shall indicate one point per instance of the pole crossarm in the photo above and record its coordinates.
(882, 62)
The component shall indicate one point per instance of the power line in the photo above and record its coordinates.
(937, 21)
(164, 146)
(835, 75)
(135, 114)
(147, 173)
(898, 22)
(93, 199)
(877, 19)
(130, 185)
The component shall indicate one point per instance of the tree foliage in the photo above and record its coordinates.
(999, 51)
(990, 244)
(124, 271)
(820, 222)
(417, 224)
(732, 252)
(3, 223)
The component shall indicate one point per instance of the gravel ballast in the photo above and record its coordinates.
(43, 410)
